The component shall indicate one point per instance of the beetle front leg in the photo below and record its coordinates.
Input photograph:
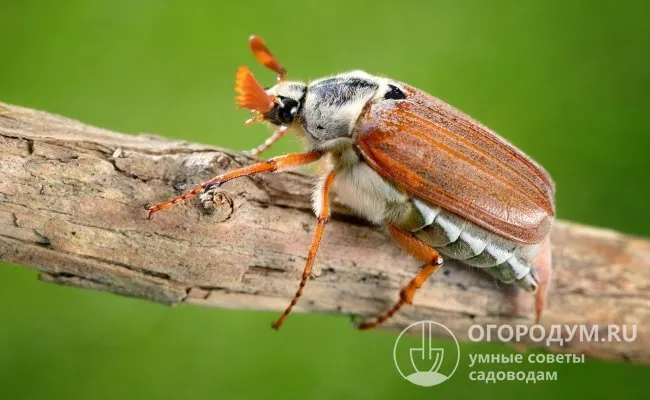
(276, 164)
(419, 250)
(279, 133)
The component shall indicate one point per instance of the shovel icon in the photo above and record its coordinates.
(423, 353)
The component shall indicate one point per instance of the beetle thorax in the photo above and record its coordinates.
(333, 105)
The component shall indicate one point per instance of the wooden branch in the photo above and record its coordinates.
(72, 201)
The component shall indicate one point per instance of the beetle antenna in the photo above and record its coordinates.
(250, 94)
(265, 57)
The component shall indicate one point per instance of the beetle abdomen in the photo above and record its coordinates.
(455, 237)
(459, 239)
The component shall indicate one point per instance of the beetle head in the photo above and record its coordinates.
(290, 97)
(279, 104)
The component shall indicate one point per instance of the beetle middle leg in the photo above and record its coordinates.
(419, 250)
(323, 217)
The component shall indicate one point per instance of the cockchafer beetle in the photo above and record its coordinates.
(442, 183)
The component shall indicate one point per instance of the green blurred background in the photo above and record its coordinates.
(567, 81)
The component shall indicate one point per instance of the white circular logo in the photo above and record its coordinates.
(428, 362)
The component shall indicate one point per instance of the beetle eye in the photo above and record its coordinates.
(288, 111)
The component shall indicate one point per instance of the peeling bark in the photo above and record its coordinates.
(72, 205)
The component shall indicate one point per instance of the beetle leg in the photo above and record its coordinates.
(419, 250)
(275, 164)
(323, 217)
(269, 142)
(542, 269)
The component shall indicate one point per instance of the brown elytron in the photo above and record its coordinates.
(440, 155)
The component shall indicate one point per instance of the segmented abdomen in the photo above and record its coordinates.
(457, 238)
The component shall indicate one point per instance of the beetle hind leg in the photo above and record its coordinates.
(542, 268)
(421, 251)
(535, 279)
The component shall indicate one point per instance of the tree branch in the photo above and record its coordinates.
(72, 201)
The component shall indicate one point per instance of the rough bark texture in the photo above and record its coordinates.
(72, 201)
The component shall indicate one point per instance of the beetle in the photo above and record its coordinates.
(442, 184)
